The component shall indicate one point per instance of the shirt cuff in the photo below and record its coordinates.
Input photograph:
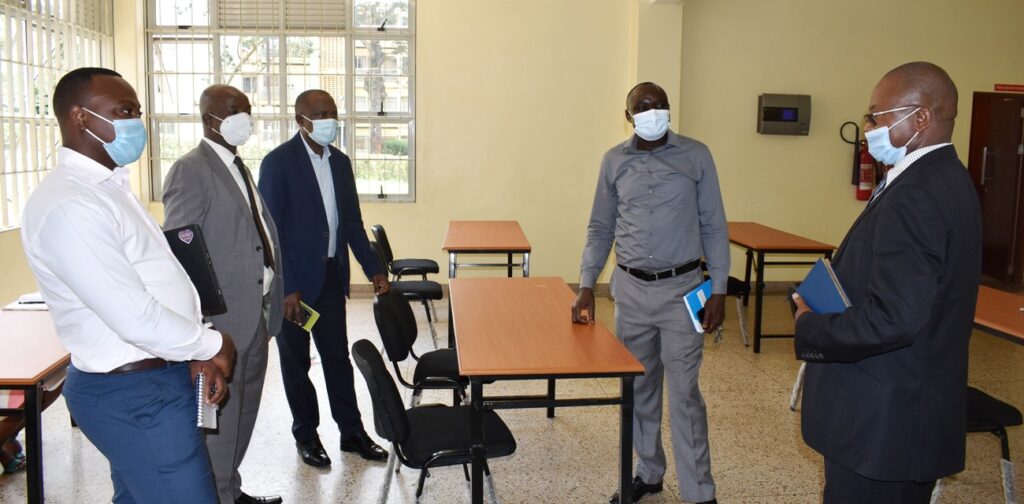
(719, 286)
(588, 279)
(210, 342)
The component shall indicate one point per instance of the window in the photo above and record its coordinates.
(40, 41)
(362, 52)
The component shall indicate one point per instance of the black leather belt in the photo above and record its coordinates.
(650, 276)
(142, 365)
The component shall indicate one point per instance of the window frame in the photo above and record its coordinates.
(347, 112)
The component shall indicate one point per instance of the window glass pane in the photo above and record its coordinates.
(266, 134)
(252, 64)
(182, 69)
(178, 93)
(381, 57)
(372, 13)
(374, 90)
(381, 157)
(182, 12)
(374, 176)
(316, 63)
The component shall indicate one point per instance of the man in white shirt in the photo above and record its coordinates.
(211, 187)
(122, 305)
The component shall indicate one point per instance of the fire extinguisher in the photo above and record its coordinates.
(867, 173)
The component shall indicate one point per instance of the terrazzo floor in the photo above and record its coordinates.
(757, 453)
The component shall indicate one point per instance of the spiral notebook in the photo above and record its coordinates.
(206, 413)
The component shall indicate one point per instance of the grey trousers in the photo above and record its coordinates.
(651, 321)
(228, 444)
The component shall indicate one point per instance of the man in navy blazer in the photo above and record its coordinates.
(886, 385)
(310, 190)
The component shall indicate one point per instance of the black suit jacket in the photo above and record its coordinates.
(886, 383)
(292, 195)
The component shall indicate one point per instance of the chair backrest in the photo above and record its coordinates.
(396, 323)
(379, 252)
(382, 238)
(389, 417)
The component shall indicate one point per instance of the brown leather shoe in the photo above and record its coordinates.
(638, 489)
(364, 446)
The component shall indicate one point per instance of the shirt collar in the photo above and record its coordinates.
(314, 155)
(908, 160)
(225, 155)
(79, 165)
(629, 146)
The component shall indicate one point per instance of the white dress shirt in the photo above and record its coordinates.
(229, 163)
(322, 169)
(902, 165)
(115, 290)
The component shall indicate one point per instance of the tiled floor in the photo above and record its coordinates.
(757, 454)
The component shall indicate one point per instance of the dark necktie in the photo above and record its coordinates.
(268, 259)
(878, 190)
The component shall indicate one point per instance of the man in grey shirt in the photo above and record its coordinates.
(658, 200)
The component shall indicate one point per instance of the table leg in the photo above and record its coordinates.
(526, 264)
(510, 265)
(551, 397)
(451, 325)
(451, 264)
(477, 440)
(626, 442)
(746, 276)
(758, 301)
(34, 444)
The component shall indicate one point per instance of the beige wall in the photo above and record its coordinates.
(517, 101)
(734, 50)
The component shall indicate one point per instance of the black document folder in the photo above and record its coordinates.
(189, 247)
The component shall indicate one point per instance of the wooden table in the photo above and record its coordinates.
(31, 356)
(486, 237)
(521, 329)
(761, 239)
(999, 313)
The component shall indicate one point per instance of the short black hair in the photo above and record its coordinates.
(73, 85)
(638, 86)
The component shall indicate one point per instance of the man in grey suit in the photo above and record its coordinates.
(210, 186)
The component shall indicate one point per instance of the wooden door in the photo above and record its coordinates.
(995, 166)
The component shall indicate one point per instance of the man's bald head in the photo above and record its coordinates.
(928, 85)
(216, 95)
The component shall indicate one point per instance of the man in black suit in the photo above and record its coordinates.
(886, 387)
(310, 190)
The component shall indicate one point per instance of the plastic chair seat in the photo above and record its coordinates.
(433, 429)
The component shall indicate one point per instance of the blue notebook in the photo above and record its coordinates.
(695, 301)
(821, 289)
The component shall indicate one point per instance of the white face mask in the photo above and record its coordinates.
(235, 129)
(651, 124)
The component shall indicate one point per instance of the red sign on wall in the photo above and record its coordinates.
(1010, 88)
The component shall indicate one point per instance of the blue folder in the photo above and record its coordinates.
(695, 301)
(822, 291)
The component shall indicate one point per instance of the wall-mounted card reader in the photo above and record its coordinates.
(783, 114)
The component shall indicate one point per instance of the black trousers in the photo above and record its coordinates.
(843, 486)
(331, 338)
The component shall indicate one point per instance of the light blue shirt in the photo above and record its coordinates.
(324, 178)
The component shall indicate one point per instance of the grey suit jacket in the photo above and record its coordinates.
(200, 190)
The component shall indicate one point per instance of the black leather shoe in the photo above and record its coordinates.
(313, 453)
(712, 501)
(364, 446)
(249, 499)
(638, 489)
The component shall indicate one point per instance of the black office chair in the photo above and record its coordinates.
(427, 436)
(399, 267)
(437, 369)
(424, 291)
(988, 414)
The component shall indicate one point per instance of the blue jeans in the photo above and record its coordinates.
(145, 424)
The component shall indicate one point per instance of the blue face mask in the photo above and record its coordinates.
(880, 145)
(325, 131)
(129, 139)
